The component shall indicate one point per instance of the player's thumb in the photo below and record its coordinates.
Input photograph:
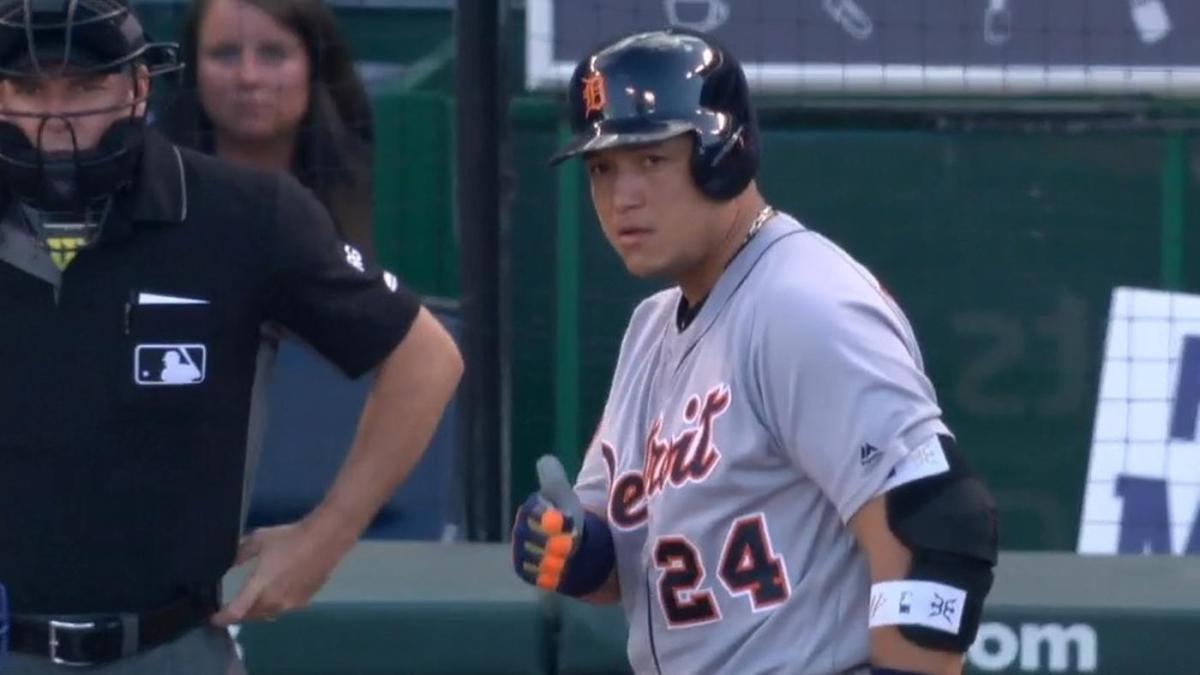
(555, 488)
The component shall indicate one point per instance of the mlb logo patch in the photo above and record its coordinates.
(169, 364)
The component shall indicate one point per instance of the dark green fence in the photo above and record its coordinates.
(1002, 243)
(1002, 246)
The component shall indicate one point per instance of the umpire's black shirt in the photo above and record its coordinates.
(126, 384)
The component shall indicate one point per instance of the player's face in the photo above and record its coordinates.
(650, 209)
(253, 73)
(82, 106)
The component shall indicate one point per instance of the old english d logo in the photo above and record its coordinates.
(594, 98)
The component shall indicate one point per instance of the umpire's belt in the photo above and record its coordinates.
(92, 639)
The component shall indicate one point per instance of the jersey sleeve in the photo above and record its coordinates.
(842, 393)
(594, 480)
(324, 290)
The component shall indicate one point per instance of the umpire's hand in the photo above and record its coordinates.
(293, 562)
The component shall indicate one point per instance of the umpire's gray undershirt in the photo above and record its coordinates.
(20, 248)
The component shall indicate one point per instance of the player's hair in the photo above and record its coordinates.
(333, 156)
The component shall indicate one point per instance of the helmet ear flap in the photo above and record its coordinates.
(723, 169)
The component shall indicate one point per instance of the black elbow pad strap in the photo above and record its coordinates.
(948, 522)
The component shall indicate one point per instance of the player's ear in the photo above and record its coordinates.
(141, 88)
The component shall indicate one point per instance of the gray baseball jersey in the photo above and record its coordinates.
(732, 453)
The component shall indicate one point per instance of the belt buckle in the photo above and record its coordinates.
(66, 626)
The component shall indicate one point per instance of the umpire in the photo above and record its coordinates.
(134, 279)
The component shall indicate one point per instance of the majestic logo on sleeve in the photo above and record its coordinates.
(688, 457)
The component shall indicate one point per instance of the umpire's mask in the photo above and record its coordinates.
(74, 86)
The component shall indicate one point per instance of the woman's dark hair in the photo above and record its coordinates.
(333, 155)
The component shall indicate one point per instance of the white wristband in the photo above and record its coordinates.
(917, 603)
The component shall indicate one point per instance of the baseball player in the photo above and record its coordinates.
(771, 488)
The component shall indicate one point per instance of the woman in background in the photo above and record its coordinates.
(271, 83)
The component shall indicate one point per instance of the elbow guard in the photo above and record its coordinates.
(948, 521)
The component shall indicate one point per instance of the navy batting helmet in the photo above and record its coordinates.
(649, 87)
